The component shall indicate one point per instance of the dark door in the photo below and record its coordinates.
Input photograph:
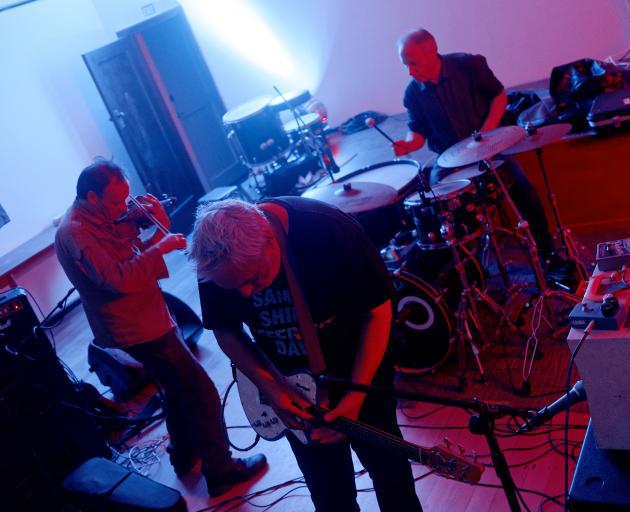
(141, 119)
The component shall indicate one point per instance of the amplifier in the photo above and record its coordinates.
(601, 482)
(603, 361)
(17, 318)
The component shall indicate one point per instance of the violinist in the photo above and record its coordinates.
(116, 274)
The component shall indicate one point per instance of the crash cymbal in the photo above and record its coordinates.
(538, 137)
(480, 146)
(356, 196)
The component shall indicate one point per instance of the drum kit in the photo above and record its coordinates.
(426, 236)
(280, 140)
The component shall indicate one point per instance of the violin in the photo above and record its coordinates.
(143, 218)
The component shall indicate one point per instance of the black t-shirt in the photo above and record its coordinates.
(449, 111)
(341, 274)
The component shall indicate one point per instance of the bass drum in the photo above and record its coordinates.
(426, 297)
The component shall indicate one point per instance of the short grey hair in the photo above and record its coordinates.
(417, 36)
(229, 230)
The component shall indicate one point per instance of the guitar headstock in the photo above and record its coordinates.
(457, 466)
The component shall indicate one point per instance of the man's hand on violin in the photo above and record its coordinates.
(171, 242)
(155, 208)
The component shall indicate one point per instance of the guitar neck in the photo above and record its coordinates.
(362, 432)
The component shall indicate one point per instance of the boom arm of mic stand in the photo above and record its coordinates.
(481, 424)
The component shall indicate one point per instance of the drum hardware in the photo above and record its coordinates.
(467, 310)
(542, 310)
(536, 139)
(485, 146)
(316, 144)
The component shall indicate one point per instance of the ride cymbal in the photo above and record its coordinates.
(538, 137)
(480, 146)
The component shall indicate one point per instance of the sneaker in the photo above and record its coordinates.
(241, 471)
(182, 462)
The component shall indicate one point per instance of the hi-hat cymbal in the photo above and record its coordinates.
(539, 137)
(481, 146)
(356, 196)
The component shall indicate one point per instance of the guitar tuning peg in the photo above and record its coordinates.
(461, 449)
(448, 442)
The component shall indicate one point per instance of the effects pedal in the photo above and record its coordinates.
(608, 314)
(612, 255)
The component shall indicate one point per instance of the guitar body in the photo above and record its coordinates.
(262, 417)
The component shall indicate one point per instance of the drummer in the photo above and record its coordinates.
(449, 97)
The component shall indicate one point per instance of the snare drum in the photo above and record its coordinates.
(485, 183)
(452, 203)
(257, 131)
(382, 224)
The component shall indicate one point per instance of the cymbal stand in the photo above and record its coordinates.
(319, 146)
(489, 243)
(568, 242)
(542, 304)
(467, 308)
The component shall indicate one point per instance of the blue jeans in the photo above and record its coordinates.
(329, 472)
(192, 404)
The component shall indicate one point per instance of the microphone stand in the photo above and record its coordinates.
(481, 423)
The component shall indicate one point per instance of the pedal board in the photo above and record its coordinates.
(607, 315)
(612, 255)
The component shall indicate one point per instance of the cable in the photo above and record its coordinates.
(223, 404)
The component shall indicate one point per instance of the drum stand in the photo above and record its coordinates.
(569, 245)
(467, 308)
(542, 305)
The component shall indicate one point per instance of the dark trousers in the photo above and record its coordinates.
(192, 404)
(329, 472)
(525, 197)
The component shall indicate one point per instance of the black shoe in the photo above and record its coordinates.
(181, 461)
(241, 471)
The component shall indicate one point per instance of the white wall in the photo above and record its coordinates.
(53, 122)
(344, 51)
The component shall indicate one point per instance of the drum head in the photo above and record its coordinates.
(451, 189)
(246, 110)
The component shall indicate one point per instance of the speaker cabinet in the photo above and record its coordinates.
(44, 431)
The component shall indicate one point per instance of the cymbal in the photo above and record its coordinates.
(355, 196)
(470, 171)
(480, 147)
(539, 137)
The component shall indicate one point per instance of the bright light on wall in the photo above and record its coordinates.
(240, 27)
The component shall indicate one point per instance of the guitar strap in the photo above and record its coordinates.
(303, 313)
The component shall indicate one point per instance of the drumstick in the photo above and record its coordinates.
(371, 123)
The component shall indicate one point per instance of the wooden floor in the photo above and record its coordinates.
(536, 459)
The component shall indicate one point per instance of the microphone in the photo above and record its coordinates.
(371, 123)
(577, 394)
